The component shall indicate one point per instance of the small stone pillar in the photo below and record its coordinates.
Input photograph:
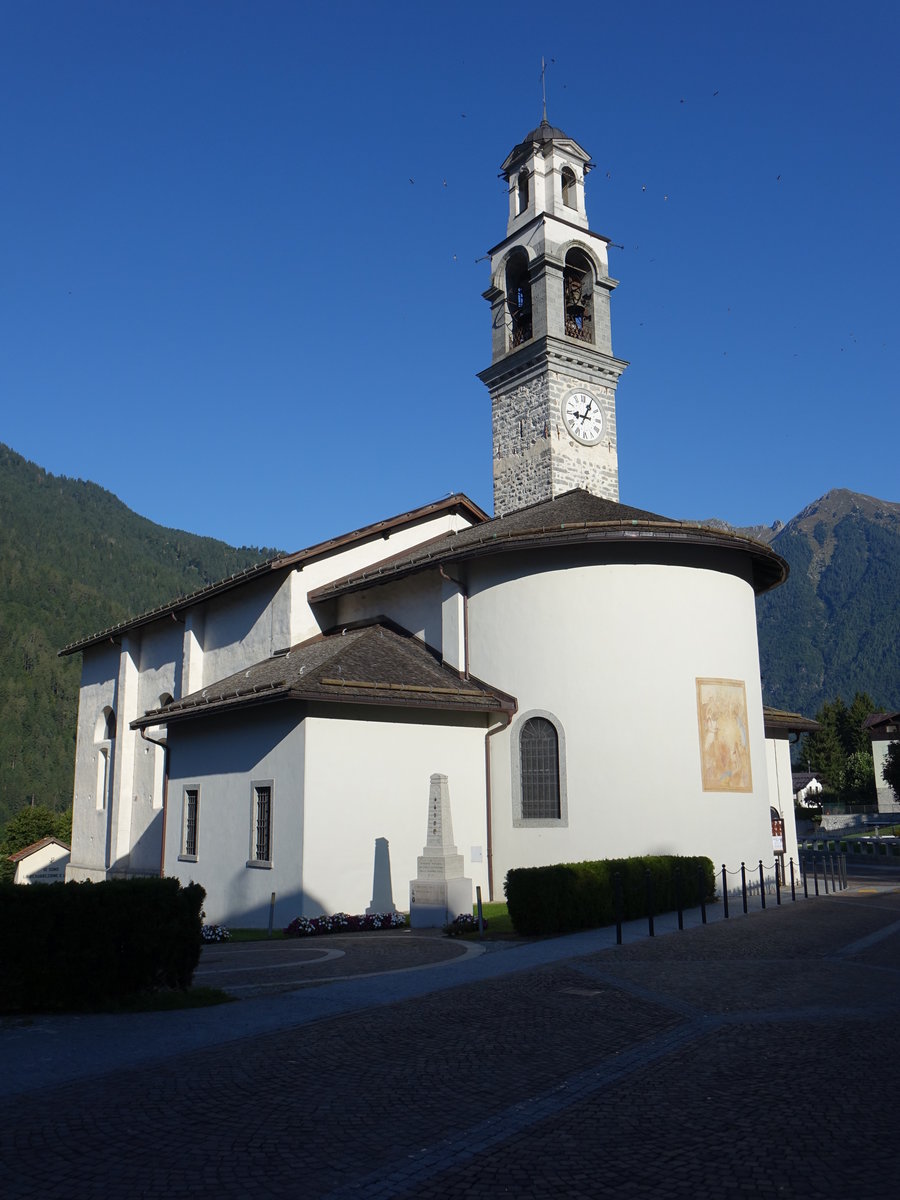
(440, 891)
(382, 892)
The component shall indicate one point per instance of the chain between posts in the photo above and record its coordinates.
(837, 871)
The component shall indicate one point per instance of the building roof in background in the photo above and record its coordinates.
(26, 851)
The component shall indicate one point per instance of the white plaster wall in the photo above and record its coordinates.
(161, 649)
(887, 801)
(349, 559)
(99, 672)
(613, 651)
(414, 603)
(781, 796)
(245, 626)
(47, 865)
(369, 778)
(222, 758)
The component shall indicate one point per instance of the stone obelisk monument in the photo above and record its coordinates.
(440, 892)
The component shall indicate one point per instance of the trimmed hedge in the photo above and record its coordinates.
(572, 896)
(70, 946)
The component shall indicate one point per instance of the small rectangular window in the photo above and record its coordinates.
(190, 824)
(261, 827)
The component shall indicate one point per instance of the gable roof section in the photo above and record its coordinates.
(377, 664)
(883, 726)
(27, 851)
(457, 502)
(575, 517)
(778, 722)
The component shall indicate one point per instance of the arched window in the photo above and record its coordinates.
(539, 759)
(569, 197)
(578, 282)
(104, 740)
(518, 298)
(522, 183)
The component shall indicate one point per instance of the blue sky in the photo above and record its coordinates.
(241, 285)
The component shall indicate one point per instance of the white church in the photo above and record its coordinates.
(584, 673)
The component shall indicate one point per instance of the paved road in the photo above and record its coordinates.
(750, 1056)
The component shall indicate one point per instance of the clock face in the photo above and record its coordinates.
(583, 418)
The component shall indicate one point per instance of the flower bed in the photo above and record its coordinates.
(342, 923)
(215, 933)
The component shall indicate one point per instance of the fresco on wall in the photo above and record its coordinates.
(724, 739)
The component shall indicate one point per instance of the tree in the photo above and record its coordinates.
(27, 826)
(840, 751)
(891, 768)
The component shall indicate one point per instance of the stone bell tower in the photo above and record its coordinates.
(552, 377)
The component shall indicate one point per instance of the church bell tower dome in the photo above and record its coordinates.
(552, 377)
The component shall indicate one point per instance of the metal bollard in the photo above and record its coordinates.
(678, 898)
(844, 869)
(778, 882)
(805, 870)
(793, 888)
(744, 887)
(649, 880)
(816, 873)
(617, 893)
(762, 884)
(724, 891)
(831, 864)
(701, 878)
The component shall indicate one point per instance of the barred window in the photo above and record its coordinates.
(191, 807)
(262, 823)
(539, 751)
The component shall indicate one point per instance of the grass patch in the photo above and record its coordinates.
(497, 916)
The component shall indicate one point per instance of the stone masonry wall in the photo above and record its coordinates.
(535, 458)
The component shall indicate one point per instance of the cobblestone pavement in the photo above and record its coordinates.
(265, 968)
(754, 1056)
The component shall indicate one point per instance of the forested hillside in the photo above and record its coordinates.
(73, 560)
(834, 628)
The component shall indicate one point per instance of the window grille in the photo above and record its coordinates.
(539, 749)
(191, 802)
(263, 829)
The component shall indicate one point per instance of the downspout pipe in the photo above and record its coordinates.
(165, 798)
(502, 724)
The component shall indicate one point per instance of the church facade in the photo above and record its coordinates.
(585, 673)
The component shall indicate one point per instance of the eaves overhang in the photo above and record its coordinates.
(175, 609)
(769, 568)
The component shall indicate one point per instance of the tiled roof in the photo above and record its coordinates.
(879, 725)
(376, 664)
(457, 501)
(778, 721)
(35, 846)
(575, 517)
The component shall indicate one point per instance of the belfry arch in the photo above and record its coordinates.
(518, 298)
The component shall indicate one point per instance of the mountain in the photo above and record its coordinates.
(73, 560)
(834, 628)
